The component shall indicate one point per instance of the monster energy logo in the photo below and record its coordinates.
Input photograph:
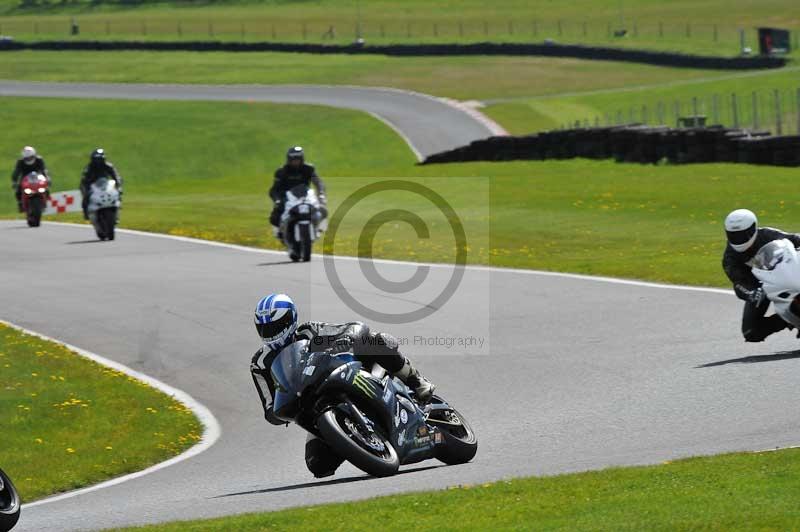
(364, 385)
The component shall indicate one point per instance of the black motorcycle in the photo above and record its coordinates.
(9, 503)
(368, 418)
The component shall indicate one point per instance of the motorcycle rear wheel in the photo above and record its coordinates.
(9, 503)
(347, 441)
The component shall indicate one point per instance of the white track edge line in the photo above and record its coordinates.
(211, 427)
(399, 132)
(496, 269)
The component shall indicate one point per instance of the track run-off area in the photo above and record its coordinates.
(574, 372)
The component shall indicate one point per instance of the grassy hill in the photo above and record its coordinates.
(709, 27)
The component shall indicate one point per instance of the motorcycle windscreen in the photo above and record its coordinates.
(287, 374)
(776, 265)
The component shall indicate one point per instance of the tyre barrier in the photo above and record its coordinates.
(635, 143)
(651, 57)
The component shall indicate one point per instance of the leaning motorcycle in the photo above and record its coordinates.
(367, 417)
(103, 207)
(10, 504)
(302, 222)
(35, 191)
(777, 266)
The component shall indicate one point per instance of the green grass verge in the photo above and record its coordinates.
(210, 181)
(524, 115)
(712, 25)
(47, 391)
(456, 77)
(729, 492)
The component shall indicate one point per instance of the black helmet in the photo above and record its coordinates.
(99, 154)
(294, 153)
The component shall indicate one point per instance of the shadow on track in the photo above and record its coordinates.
(320, 483)
(754, 359)
(83, 241)
(276, 263)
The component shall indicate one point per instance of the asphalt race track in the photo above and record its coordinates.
(575, 373)
(427, 123)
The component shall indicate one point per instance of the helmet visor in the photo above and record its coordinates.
(737, 238)
(273, 329)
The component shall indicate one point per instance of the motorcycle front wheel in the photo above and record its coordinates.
(9, 503)
(35, 208)
(106, 220)
(370, 452)
(460, 444)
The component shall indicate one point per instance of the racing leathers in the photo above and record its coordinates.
(737, 265)
(286, 178)
(23, 168)
(367, 346)
(94, 171)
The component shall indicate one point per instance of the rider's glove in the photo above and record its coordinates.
(343, 344)
(756, 297)
(323, 199)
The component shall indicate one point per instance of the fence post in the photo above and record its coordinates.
(735, 109)
(608, 115)
(694, 111)
(559, 28)
(797, 98)
(631, 116)
(676, 108)
(619, 117)
(660, 29)
(645, 114)
(596, 121)
(660, 113)
(511, 27)
(755, 110)
(715, 108)
(778, 114)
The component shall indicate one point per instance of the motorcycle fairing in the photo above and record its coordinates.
(777, 266)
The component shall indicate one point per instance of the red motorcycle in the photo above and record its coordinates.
(35, 192)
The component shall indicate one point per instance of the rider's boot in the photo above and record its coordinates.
(276, 232)
(414, 380)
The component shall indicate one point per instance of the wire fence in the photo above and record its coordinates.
(773, 110)
(691, 34)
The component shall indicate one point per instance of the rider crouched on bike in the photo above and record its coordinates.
(295, 172)
(745, 238)
(276, 324)
(98, 167)
(29, 162)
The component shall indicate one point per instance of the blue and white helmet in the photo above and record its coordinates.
(276, 320)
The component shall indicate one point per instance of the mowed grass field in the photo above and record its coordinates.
(730, 492)
(207, 172)
(710, 27)
(69, 422)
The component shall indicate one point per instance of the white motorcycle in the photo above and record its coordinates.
(302, 222)
(777, 266)
(103, 207)
(9, 503)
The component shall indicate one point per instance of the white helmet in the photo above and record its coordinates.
(28, 154)
(741, 227)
